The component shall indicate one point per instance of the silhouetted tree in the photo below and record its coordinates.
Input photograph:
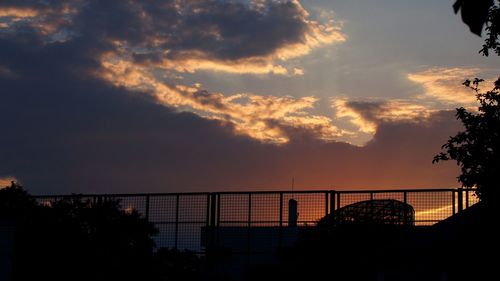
(493, 30)
(98, 239)
(15, 201)
(474, 13)
(173, 265)
(77, 239)
(477, 148)
(478, 13)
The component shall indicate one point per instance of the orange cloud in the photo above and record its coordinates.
(18, 13)
(444, 84)
(11, 15)
(342, 110)
(265, 118)
(241, 66)
(366, 115)
(298, 71)
(45, 19)
(442, 90)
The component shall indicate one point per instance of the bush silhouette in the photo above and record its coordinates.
(172, 264)
(15, 203)
(76, 239)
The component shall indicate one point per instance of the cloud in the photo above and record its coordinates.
(10, 16)
(444, 84)
(82, 134)
(186, 36)
(17, 13)
(133, 41)
(265, 118)
(47, 18)
(6, 72)
(240, 38)
(298, 71)
(442, 90)
(83, 114)
(367, 115)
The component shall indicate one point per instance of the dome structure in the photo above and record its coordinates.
(378, 212)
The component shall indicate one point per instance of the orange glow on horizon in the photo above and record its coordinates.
(18, 12)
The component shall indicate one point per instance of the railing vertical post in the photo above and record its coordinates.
(249, 227)
(176, 235)
(213, 210)
(249, 209)
(210, 229)
(372, 211)
(467, 198)
(147, 208)
(453, 201)
(405, 210)
(332, 207)
(280, 242)
(326, 203)
(217, 222)
(338, 200)
(460, 200)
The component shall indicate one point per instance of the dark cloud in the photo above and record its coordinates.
(233, 30)
(65, 133)
(390, 111)
(206, 98)
(36, 4)
(368, 110)
(65, 130)
(155, 40)
(219, 30)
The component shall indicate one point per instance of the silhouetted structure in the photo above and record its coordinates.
(381, 212)
(239, 233)
(293, 215)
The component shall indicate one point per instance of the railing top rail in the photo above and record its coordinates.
(276, 191)
(398, 190)
(119, 194)
(250, 192)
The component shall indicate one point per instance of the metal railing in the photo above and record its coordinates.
(258, 222)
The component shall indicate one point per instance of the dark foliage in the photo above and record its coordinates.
(477, 14)
(493, 31)
(78, 239)
(477, 148)
(172, 264)
(474, 13)
(15, 202)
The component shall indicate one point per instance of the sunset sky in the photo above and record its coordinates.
(174, 96)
